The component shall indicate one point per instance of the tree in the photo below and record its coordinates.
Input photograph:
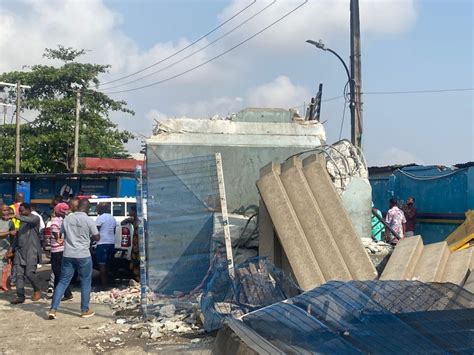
(47, 143)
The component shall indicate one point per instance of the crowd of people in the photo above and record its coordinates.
(73, 235)
(399, 222)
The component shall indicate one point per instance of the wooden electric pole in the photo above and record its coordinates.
(76, 132)
(356, 76)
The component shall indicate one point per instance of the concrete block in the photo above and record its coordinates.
(312, 221)
(348, 242)
(457, 267)
(432, 262)
(290, 233)
(404, 259)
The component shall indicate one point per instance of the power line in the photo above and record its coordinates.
(182, 49)
(196, 51)
(415, 91)
(215, 57)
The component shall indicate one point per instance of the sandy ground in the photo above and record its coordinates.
(25, 329)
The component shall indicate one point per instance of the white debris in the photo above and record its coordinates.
(168, 311)
(115, 340)
(121, 321)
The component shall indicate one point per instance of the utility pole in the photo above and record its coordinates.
(17, 141)
(18, 110)
(356, 77)
(76, 132)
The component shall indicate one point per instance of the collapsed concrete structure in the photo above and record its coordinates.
(247, 141)
(314, 237)
(411, 260)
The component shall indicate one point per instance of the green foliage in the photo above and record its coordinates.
(47, 143)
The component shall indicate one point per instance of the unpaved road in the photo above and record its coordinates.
(24, 329)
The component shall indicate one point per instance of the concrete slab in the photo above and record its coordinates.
(432, 262)
(312, 221)
(290, 233)
(404, 259)
(457, 267)
(348, 242)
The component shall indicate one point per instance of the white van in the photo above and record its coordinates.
(119, 208)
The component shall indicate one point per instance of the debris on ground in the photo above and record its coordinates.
(379, 253)
(167, 315)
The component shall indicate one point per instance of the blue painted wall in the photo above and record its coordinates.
(442, 196)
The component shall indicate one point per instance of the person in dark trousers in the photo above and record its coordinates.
(57, 245)
(78, 230)
(27, 249)
(409, 210)
(106, 224)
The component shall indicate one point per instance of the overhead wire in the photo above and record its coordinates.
(216, 56)
(415, 91)
(196, 51)
(182, 49)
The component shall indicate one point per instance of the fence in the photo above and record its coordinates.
(183, 215)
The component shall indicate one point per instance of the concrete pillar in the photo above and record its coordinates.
(268, 245)
(357, 199)
(290, 233)
(311, 219)
(348, 242)
(404, 259)
(432, 262)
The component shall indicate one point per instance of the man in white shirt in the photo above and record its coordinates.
(106, 224)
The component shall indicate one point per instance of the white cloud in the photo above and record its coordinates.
(226, 85)
(155, 115)
(393, 156)
(280, 93)
(221, 106)
(321, 19)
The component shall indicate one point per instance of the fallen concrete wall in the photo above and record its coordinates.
(311, 225)
(411, 260)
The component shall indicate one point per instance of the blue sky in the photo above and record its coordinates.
(406, 45)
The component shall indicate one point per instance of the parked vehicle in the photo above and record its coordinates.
(119, 208)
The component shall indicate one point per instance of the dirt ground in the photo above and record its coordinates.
(25, 329)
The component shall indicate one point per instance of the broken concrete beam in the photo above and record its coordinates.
(348, 242)
(290, 233)
(312, 221)
(432, 262)
(404, 259)
(457, 267)
(268, 244)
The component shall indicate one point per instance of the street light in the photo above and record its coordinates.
(320, 45)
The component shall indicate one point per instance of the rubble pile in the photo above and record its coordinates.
(379, 252)
(167, 316)
(128, 298)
